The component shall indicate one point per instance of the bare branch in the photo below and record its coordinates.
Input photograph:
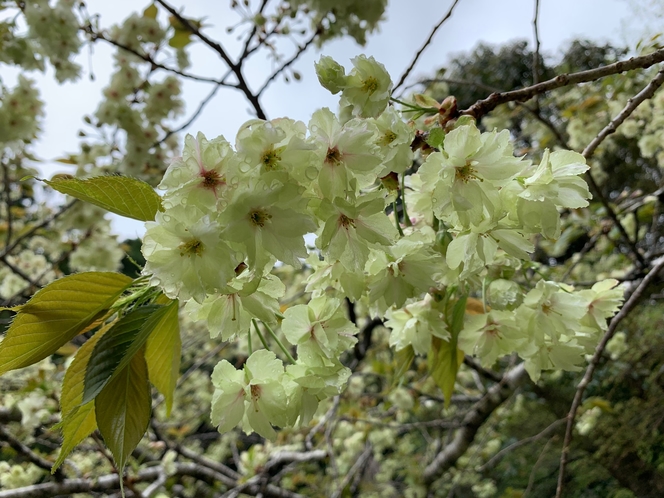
(301, 49)
(405, 74)
(100, 36)
(629, 305)
(536, 53)
(357, 466)
(235, 68)
(627, 111)
(495, 459)
(481, 107)
(473, 420)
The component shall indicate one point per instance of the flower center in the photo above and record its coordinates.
(466, 173)
(211, 180)
(346, 222)
(270, 159)
(191, 248)
(370, 85)
(259, 217)
(255, 392)
(333, 156)
(388, 137)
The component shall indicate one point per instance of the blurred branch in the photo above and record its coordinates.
(482, 107)
(27, 453)
(610, 128)
(472, 421)
(32, 230)
(629, 305)
(495, 459)
(408, 70)
(8, 201)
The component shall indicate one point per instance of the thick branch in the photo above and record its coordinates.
(629, 305)
(472, 422)
(481, 107)
(27, 453)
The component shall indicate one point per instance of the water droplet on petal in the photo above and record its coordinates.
(311, 173)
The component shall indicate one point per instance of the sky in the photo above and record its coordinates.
(407, 24)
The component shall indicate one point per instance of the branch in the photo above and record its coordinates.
(301, 49)
(536, 53)
(629, 305)
(481, 107)
(8, 200)
(495, 459)
(472, 422)
(610, 128)
(631, 106)
(32, 230)
(26, 452)
(235, 68)
(100, 36)
(423, 47)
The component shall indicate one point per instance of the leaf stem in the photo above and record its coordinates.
(396, 218)
(278, 341)
(260, 335)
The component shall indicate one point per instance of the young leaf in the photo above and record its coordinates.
(56, 314)
(445, 358)
(404, 358)
(72, 384)
(162, 353)
(116, 349)
(76, 426)
(123, 409)
(121, 195)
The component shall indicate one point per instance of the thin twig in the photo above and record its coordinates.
(610, 128)
(236, 68)
(405, 74)
(301, 49)
(536, 53)
(8, 200)
(100, 36)
(629, 305)
(493, 461)
(482, 107)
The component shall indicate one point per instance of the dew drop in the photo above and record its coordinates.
(244, 167)
(311, 173)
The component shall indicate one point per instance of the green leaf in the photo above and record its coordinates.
(444, 362)
(445, 358)
(121, 195)
(180, 39)
(116, 349)
(123, 409)
(436, 138)
(56, 314)
(404, 358)
(162, 353)
(76, 426)
(151, 12)
(72, 384)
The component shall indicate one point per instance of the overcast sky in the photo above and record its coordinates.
(407, 24)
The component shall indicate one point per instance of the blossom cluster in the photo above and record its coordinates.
(231, 213)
